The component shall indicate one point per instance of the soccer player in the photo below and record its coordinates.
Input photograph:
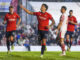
(43, 18)
(70, 29)
(63, 28)
(11, 20)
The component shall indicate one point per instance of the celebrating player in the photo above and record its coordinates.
(70, 29)
(43, 24)
(11, 19)
(63, 28)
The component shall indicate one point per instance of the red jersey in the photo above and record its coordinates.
(71, 27)
(11, 21)
(43, 20)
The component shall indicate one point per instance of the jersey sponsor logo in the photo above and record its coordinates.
(11, 19)
(43, 18)
(45, 15)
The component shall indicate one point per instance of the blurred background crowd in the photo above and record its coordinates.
(28, 34)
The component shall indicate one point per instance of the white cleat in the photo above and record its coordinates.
(63, 54)
(41, 56)
(8, 52)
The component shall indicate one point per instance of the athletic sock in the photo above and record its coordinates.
(42, 49)
(70, 44)
(8, 45)
(63, 47)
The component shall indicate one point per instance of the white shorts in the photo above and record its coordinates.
(62, 33)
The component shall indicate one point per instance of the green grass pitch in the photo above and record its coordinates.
(36, 56)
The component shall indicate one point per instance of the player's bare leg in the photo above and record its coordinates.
(12, 42)
(43, 43)
(68, 44)
(62, 47)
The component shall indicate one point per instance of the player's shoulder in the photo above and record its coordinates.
(73, 16)
(66, 15)
(37, 13)
(7, 14)
(48, 14)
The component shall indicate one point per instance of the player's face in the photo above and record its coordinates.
(63, 10)
(43, 8)
(11, 10)
(71, 13)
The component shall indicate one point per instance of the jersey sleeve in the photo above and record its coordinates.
(75, 20)
(17, 16)
(50, 17)
(35, 13)
(5, 18)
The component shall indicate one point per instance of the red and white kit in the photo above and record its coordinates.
(63, 29)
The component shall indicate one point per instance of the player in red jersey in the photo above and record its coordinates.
(70, 29)
(11, 19)
(43, 18)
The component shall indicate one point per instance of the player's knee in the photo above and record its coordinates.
(11, 38)
(62, 41)
(67, 37)
(44, 41)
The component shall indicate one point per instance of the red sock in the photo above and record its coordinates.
(63, 47)
(71, 42)
(67, 41)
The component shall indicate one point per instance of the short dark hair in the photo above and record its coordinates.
(64, 7)
(11, 7)
(46, 6)
(71, 11)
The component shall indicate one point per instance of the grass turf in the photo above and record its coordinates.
(36, 56)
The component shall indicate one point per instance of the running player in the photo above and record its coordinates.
(70, 29)
(43, 24)
(11, 19)
(63, 28)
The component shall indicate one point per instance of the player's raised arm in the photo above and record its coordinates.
(26, 10)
